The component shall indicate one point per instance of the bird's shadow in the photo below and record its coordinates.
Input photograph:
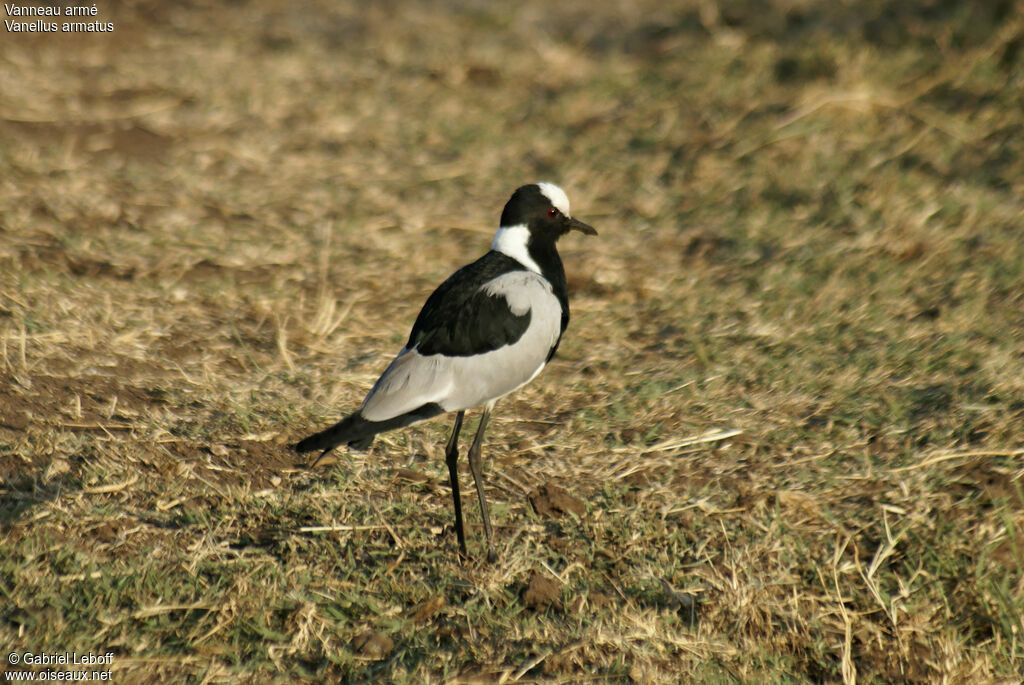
(26, 492)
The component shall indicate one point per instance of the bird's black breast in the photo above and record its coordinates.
(462, 319)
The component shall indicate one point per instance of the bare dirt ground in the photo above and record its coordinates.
(782, 437)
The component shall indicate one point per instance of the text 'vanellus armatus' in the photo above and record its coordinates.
(486, 331)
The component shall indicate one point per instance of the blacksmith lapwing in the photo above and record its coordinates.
(486, 331)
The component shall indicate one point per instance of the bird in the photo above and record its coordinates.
(486, 331)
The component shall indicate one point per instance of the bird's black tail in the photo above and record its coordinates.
(358, 433)
(351, 429)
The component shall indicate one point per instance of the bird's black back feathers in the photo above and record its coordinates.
(461, 319)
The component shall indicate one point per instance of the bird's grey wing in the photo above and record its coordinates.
(486, 377)
(458, 382)
(410, 381)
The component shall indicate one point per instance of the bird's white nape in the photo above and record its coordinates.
(557, 197)
(512, 242)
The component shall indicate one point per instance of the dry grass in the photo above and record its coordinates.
(790, 396)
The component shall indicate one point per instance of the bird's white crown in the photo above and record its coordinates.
(558, 198)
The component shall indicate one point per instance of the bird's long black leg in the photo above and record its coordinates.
(451, 457)
(474, 466)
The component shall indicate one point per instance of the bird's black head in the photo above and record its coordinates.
(544, 209)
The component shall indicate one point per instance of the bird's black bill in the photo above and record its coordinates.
(576, 224)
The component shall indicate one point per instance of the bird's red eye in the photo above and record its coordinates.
(552, 212)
